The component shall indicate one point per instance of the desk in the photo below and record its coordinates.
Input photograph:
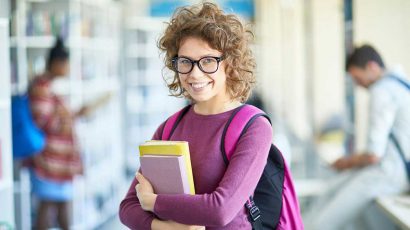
(397, 208)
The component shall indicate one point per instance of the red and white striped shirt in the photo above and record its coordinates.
(60, 160)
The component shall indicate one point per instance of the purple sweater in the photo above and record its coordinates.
(221, 191)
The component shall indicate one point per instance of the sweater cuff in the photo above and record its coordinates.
(157, 206)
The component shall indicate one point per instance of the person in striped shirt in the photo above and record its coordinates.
(53, 169)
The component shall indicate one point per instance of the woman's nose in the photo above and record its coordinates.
(196, 71)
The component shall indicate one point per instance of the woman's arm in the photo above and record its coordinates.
(131, 214)
(239, 182)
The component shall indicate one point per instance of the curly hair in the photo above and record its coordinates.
(223, 32)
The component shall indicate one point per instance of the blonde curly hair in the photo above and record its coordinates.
(223, 32)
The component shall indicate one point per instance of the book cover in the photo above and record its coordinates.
(170, 148)
(167, 174)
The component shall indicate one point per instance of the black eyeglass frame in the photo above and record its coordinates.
(197, 62)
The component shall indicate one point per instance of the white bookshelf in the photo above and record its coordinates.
(147, 103)
(6, 172)
(92, 33)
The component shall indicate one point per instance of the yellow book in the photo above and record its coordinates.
(170, 148)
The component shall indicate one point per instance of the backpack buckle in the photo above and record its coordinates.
(254, 213)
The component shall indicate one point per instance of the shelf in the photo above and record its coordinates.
(103, 44)
(146, 24)
(147, 55)
(4, 103)
(92, 86)
(397, 208)
(93, 32)
(93, 3)
(39, 41)
(6, 176)
(5, 184)
(142, 51)
(99, 3)
(13, 42)
(46, 42)
(38, 1)
(105, 214)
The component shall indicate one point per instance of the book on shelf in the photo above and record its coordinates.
(44, 23)
(167, 165)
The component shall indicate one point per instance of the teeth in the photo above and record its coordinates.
(198, 85)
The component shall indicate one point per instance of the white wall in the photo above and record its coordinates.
(300, 60)
(4, 9)
(328, 84)
(280, 59)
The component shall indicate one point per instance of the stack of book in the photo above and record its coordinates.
(167, 165)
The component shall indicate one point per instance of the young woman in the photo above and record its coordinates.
(53, 169)
(210, 55)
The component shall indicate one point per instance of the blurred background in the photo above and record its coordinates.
(300, 46)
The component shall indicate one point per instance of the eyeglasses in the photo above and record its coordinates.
(206, 64)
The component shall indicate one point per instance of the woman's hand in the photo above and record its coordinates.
(145, 193)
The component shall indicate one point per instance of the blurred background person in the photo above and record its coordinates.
(52, 170)
(379, 170)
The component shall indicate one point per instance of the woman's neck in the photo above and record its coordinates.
(205, 108)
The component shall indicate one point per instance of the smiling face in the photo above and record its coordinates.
(204, 88)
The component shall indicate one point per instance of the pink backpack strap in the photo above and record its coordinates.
(237, 124)
(172, 122)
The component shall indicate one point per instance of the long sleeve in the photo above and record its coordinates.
(382, 112)
(131, 214)
(219, 207)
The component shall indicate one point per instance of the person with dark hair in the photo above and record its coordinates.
(362, 56)
(380, 169)
(53, 169)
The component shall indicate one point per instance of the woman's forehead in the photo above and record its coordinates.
(194, 47)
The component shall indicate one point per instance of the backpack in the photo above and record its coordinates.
(394, 139)
(28, 139)
(274, 204)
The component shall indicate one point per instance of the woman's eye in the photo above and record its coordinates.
(184, 62)
(208, 60)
